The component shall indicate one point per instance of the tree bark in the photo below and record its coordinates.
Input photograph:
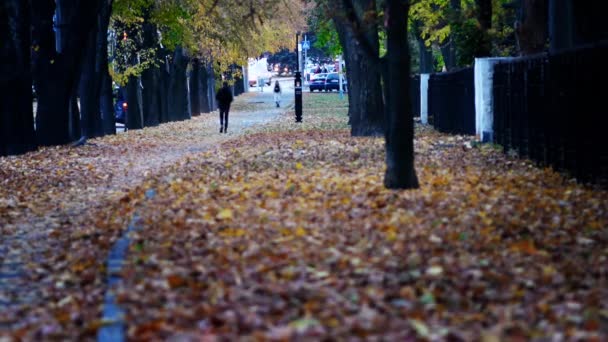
(366, 109)
(448, 49)
(211, 87)
(204, 81)
(106, 98)
(134, 117)
(107, 102)
(16, 116)
(484, 13)
(426, 55)
(95, 63)
(164, 79)
(400, 171)
(178, 91)
(74, 124)
(195, 88)
(344, 36)
(561, 25)
(484, 17)
(531, 29)
(56, 74)
(151, 100)
(150, 80)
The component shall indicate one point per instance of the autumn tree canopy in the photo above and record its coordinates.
(225, 32)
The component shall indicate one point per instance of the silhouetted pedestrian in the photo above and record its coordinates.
(277, 93)
(224, 98)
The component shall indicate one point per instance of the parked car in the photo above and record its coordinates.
(317, 82)
(120, 110)
(332, 82)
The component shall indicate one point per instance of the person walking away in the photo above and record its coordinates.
(277, 93)
(224, 98)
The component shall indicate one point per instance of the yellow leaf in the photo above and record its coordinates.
(299, 166)
(225, 214)
(524, 246)
(300, 231)
(421, 328)
(434, 270)
(391, 235)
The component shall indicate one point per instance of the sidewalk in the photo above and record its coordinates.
(46, 216)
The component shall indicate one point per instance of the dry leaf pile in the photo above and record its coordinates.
(290, 234)
(61, 209)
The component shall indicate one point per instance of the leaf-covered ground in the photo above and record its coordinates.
(286, 232)
(57, 220)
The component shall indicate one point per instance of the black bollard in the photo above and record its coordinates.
(298, 93)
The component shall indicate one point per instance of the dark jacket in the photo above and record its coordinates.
(224, 97)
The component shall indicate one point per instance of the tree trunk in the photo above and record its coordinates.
(74, 124)
(163, 91)
(89, 90)
(561, 25)
(426, 55)
(95, 64)
(344, 36)
(107, 102)
(365, 93)
(178, 91)
(426, 58)
(531, 27)
(484, 13)
(400, 171)
(484, 17)
(448, 49)
(211, 87)
(106, 99)
(204, 84)
(150, 80)
(56, 74)
(16, 116)
(195, 88)
(151, 101)
(134, 117)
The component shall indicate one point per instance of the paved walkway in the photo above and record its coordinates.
(33, 239)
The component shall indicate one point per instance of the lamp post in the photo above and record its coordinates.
(298, 84)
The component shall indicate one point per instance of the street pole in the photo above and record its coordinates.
(305, 58)
(340, 77)
(298, 84)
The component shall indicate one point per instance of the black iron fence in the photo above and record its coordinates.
(551, 109)
(451, 101)
(415, 95)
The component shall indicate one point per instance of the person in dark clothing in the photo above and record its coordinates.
(277, 93)
(224, 98)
